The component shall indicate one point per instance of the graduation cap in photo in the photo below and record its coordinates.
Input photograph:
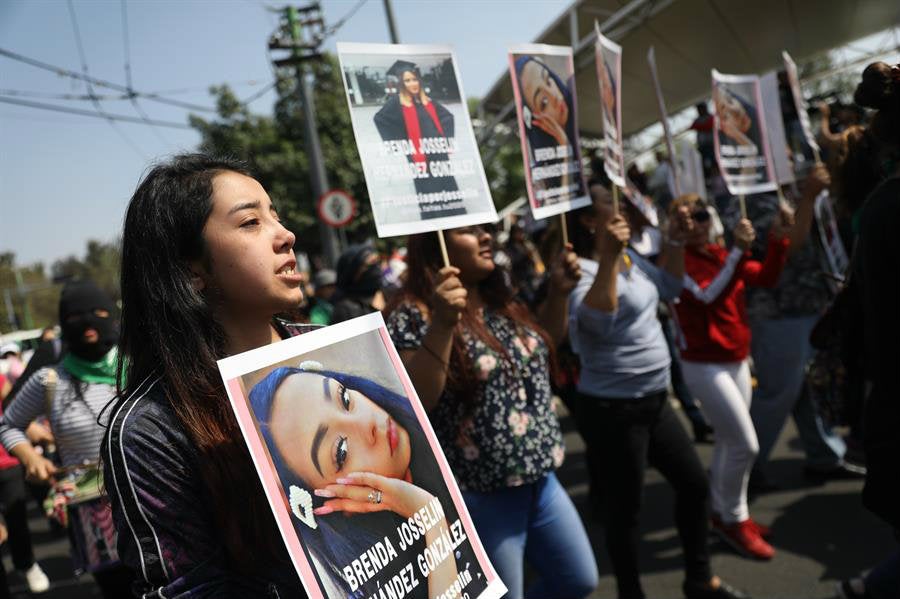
(400, 66)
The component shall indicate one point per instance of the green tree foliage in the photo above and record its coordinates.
(34, 295)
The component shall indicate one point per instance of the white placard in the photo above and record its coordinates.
(543, 80)
(608, 56)
(313, 414)
(741, 142)
(415, 139)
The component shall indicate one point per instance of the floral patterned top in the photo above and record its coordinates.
(512, 437)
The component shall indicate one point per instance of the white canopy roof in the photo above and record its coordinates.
(692, 37)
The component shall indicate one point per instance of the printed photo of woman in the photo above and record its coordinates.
(549, 119)
(410, 114)
(357, 448)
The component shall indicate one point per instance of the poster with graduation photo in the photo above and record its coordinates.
(363, 497)
(741, 143)
(790, 69)
(415, 139)
(608, 57)
(543, 80)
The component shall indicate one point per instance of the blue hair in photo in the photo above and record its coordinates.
(536, 137)
(338, 539)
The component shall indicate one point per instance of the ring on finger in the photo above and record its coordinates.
(374, 496)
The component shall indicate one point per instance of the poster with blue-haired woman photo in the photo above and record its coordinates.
(543, 80)
(364, 499)
(741, 141)
(608, 59)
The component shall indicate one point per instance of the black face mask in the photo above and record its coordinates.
(78, 307)
(369, 281)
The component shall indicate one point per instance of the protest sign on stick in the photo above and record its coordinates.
(790, 69)
(608, 56)
(741, 143)
(363, 497)
(543, 80)
(771, 101)
(664, 119)
(420, 160)
(835, 254)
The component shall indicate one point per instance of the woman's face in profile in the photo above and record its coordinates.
(541, 93)
(411, 83)
(325, 430)
(731, 111)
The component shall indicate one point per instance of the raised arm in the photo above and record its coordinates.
(429, 364)
(553, 313)
(610, 244)
(817, 181)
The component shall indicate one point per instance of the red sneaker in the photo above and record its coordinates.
(763, 530)
(745, 538)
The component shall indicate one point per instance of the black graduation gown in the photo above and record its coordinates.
(391, 126)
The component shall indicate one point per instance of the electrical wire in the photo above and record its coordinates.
(90, 87)
(102, 83)
(128, 81)
(91, 113)
(340, 22)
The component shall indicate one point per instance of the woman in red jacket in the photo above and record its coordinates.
(714, 354)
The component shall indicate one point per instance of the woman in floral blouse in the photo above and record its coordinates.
(480, 363)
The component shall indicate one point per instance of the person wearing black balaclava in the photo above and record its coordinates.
(72, 395)
(358, 284)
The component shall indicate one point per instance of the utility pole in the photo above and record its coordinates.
(301, 33)
(392, 26)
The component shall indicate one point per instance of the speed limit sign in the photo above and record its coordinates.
(336, 208)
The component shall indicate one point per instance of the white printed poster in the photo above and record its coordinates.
(664, 119)
(835, 253)
(543, 80)
(362, 494)
(608, 57)
(790, 69)
(781, 162)
(741, 142)
(415, 139)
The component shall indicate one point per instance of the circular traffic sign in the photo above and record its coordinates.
(336, 208)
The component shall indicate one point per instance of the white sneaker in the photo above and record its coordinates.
(36, 579)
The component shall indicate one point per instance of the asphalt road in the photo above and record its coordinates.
(821, 534)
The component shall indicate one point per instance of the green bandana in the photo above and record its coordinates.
(102, 371)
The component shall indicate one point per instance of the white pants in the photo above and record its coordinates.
(724, 392)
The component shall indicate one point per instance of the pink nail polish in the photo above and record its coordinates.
(324, 493)
(344, 481)
(321, 511)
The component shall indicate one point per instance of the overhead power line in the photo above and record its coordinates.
(90, 88)
(131, 95)
(102, 83)
(115, 117)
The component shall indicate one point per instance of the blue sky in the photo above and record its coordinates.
(65, 179)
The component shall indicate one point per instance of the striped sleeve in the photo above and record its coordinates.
(23, 410)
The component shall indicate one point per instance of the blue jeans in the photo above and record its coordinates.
(781, 351)
(537, 522)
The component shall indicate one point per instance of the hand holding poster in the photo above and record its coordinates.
(609, 75)
(790, 70)
(543, 79)
(362, 494)
(741, 145)
(422, 166)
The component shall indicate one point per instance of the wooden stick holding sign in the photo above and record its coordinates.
(615, 198)
(565, 230)
(440, 234)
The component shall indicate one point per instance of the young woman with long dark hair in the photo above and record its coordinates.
(206, 266)
(480, 363)
(624, 392)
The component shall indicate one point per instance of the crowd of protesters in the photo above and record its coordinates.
(729, 312)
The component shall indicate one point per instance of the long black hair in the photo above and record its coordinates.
(168, 329)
